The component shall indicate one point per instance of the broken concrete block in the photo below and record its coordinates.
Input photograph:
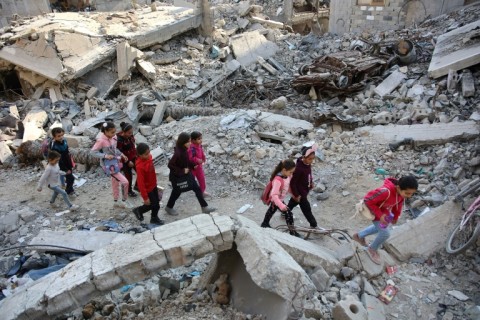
(349, 309)
(468, 84)
(390, 83)
(86, 109)
(249, 45)
(55, 94)
(126, 56)
(78, 141)
(160, 109)
(147, 69)
(14, 111)
(375, 308)
(383, 117)
(272, 269)
(146, 130)
(279, 103)
(320, 279)
(451, 51)
(5, 152)
(33, 123)
(423, 236)
(195, 44)
(92, 92)
(266, 66)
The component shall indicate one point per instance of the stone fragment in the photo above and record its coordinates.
(390, 83)
(349, 309)
(279, 103)
(468, 84)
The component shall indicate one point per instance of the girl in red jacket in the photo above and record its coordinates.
(386, 203)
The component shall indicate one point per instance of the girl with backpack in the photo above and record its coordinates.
(181, 176)
(106, 149)
(280, 178)
(386, 204)
(126, 144)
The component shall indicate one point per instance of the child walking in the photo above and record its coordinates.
(147, 184)
(180, 171)
(386, 203)
(302, 183)
(51, 177)
(281, 176)
(126, 144)
(59, 144)
(106, 149)
(197, 156)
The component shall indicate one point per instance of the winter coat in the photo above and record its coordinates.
(146, 176)
(302, 179)
(196, 154)
(105, 146)
(51, 176)
(278, 195)
(178, 163)
(127, 147)
(383, 200)
(65, 163)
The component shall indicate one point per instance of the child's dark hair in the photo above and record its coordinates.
(407, 182)
(125, 126)
(182, 139)
(195, 135)
(52, 155)
(56, 131)
(107, 126)
(284, 164)
(142, 148)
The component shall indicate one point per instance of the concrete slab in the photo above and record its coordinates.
(72, 44)
(120, 263)
(249, 45)
(423, 134)
(390, 83)
(80, 240)
(423, 235)
(375, 308)
(272, 268)
(160, 109)
(285, 121)
(456, 50)
(5, 152)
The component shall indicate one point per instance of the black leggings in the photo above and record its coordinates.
(306, 210)
(128, 173)
(154, 203)
(272, 209)
(176, 192)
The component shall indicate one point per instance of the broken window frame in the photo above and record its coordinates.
(377, 3)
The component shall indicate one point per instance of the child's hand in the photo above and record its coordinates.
(187, 170)
(125, 159)
(109, 157)
(199, 161)
(69, 172)
(39, 189)
(394, 221)
(146, 202)
(130, 164)
(297, 199)
(382, 219)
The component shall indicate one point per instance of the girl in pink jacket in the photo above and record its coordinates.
(106, 149)
(281, 176)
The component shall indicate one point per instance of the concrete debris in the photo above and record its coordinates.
(390, 83)
(456, 50)
(249, 45)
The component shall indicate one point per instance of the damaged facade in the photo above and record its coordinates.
(378, 103)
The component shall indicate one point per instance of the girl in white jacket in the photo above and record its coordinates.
(51, 177)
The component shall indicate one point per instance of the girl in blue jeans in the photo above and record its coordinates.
(386, 204)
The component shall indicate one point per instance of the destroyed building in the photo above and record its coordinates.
(258, 84)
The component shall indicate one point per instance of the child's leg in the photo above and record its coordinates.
(372, 229)
(62, 181)
(199, 194)
(307, 212)
(154, 202)
(59, 190)
(200, 175)
(292, 204)
(268, 215)
(120, 178)
(115, 184)
(127, 171)
(383, 235)
(54, 195)
(173, 196)
(70, 179)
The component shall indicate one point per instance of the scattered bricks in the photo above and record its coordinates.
(349, 309)
(383, 117)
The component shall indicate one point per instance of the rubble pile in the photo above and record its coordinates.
(254, 108)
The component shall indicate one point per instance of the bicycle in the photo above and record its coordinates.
(467, 231)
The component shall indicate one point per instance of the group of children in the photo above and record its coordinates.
(120, 148)
(186, 173)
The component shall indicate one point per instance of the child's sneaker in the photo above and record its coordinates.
(118, 204)
(157, 221)
(74, 207)
(127, 204)
(73, 195)
(171, 211)
(138, 214)
(208, 209)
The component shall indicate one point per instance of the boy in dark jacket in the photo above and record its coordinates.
(66, 164)
(302, 183)
(147, 184)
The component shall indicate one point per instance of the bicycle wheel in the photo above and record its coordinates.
(460, 240)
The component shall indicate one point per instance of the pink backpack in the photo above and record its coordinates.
(265, 197)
